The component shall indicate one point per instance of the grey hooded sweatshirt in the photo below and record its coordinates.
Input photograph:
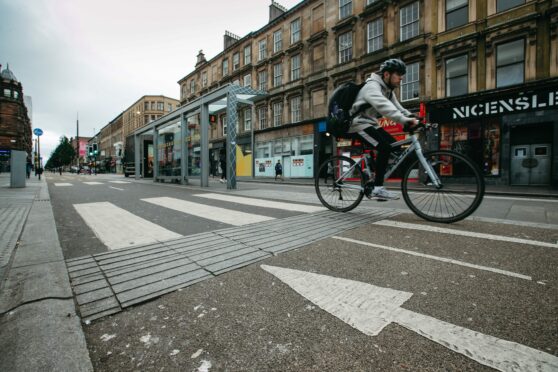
(382, 104)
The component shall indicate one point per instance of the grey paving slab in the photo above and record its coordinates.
(157, 288)
(127, 252)
(91, 286)
(82, 266)
(182, 265)
(236, 262)
(27, 334)
(86, 279)
(95, 295)
(154, 277)
(111, 265)
(225, 256)
(84, 272)
(99, 306)
(200, 257)
(135, 265)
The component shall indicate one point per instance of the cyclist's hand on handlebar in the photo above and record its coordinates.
(411, 124)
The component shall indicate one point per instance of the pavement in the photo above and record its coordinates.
(39, 327)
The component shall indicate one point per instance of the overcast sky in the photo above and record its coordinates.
(97, 57)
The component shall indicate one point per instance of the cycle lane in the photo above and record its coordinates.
(250, 320)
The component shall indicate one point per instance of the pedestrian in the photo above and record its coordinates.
(223, 163)
(39, 171)
(60, 170)
(278, 170)
(28, 169)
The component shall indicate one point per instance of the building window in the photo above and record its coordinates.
(262, 117)
(170, 107)
(277, 74)
(457, 13)
(456, 76)
(295, 109)
(225, 67)
(295, 31)
(277, 41)
(262, 80)
(410, 83)
(409, 21)
(224, 124)
(375, 32)
(502, 5)
(192, 86)
(345, 8)
(236, 61)
(346, 47)
(247, 54)
(146, 106)
(248, 80)
(277, 113)
(262, 50)
(7, 93)
(510, 63)
(160, 106)
(236, 82)
(295, 67)
(248, 119)
(153, 106)
(204, 79)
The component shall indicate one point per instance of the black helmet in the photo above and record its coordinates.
(394, 65)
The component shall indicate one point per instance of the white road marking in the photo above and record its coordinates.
(369, 309)
(223, 215)
(62, 184)
(93, 183)
(442, 230)
(118, 228)
(119, 182)
(540, 200)
(262, 203)
(437, 258)
(513, 222)
(116, 188)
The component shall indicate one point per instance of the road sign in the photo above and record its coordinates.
(369, 309)
(38, 132)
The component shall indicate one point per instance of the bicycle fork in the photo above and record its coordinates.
(427, 166)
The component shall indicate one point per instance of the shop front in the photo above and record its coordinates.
(293, 147)
(509, 133)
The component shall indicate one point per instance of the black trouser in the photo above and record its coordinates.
(382, 140)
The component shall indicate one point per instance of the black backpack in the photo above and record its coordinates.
(338, 117)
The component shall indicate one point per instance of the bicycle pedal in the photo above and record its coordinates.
(381, 200)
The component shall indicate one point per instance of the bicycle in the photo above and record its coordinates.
(440, 186)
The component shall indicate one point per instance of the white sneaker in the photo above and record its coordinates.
(221, 180)
(382, 193)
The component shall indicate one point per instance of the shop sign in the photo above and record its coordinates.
(508, 104)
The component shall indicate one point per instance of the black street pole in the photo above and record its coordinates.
(77, 139)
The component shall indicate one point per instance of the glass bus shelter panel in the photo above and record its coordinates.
(169, 150)
(194, 147)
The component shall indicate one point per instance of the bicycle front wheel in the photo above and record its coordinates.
(340, 184)
(458, 196)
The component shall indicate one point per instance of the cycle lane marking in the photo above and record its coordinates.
(370, 308)
(437, 258)
(116, 188)
(443, 230)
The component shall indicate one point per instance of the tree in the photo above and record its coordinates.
(62, 155)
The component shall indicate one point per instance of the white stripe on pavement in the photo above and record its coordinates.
(118, 228)
(441, 259)
(262, 203)
(442, 230)
(93, 183)
(116, 188)
(119, 182)
(62, 184)
(223, 215)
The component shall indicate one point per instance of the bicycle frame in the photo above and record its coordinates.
(414, 147)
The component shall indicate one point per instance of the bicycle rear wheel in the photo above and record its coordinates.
(336, 187)
(460, 194)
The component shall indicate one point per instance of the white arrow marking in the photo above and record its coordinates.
(369, 309)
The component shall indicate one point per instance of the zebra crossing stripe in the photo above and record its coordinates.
(93, 183)
(62, 184)
(228, 216)
(118, 228)
(262, 203)
(119, 182)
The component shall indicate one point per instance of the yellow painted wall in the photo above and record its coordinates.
(243, 163)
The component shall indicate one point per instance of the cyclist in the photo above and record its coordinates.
(376, 100)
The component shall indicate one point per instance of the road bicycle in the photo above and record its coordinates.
(440, 186)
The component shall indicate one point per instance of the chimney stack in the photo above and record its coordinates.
(276, 10)
(230, 39)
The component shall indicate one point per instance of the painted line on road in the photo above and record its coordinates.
(540, 200)
(437, 258)
(122, 182)
(209, 212)
(93, 183)
(442, 230)
(62, 184)
(118, 228)
(263, 203)
(537, 225)
(116, 188)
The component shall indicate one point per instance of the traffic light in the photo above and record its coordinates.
(89, 150)
(95, 149)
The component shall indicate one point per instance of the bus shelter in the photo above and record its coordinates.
(180, 139)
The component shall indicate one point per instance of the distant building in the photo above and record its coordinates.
(15, 123)
(80, 145)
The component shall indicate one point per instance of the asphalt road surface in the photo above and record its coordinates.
(395, 294)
